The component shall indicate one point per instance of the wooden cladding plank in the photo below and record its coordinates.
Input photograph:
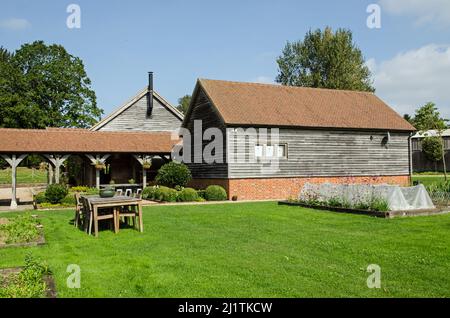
(135, 118)
(327, 153)
(202, 110)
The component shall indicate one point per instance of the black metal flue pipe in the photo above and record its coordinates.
(150, 94)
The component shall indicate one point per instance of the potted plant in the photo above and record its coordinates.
(131, 181)
(99, 165)
(147, 164)
(108, 191)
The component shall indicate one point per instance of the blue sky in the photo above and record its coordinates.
(119, 41)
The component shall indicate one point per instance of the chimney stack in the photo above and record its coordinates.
(150, 94)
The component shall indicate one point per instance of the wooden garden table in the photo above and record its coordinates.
(115, 202)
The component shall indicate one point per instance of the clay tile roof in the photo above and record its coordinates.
(62, 140)
(275, 105)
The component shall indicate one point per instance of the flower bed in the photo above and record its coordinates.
(180, 194)
(335, 208)
(349, 209)
(34, 280)
(41, 200)
(24, 230)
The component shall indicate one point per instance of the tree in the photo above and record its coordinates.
(173, 174)
(432, 148)
(14, 108)
(408, 118)
(326, 60)
(428, 117)
(183, 103)
(44, 86)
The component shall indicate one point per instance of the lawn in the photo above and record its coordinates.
(428, 179)
(248, 250)
(24, 176)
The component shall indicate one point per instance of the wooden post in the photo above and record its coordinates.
(13, 161)
(57, 161)
(95, 160)
(144, 178)
(143, 159)
(97, 178)
(50, 173)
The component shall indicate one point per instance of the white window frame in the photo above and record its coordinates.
(262, 151)
(285, 146)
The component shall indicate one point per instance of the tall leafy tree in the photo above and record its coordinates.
(428, 117)
(183, 103)
(408, 118)
(45, 86)
(14, 108)
(324, 59)
(432, 148)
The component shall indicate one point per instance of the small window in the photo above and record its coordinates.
(269, 151)
(416, 144)
(258, 151)
(446, 143)
(281, 151)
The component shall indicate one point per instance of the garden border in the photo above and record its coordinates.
(336, 209)
(386, 215)
(48, 279)
(38, 242)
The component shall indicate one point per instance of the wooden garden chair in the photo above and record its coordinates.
(87, 215)
(78, 209)
(128, 213)
(102, 214)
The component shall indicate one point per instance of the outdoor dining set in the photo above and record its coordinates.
(121, 207)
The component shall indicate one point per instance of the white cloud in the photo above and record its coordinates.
(263, 80)
(15, 24)
(413, 78)
(436, 12)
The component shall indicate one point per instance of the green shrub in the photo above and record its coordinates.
(168, 194)
(69, 200)
(157, 194)
(40, 197)
(173, 174)
(55, 193)
(201, 194)
(149, 193)
(441, 186)
(379, 204)
(313, 202)
(85, 189)
(215, 193)
(92, 191)
(362, 205)
(48, 205)
(162, 193)
(79, 189)
(188, 195)
(334, 202)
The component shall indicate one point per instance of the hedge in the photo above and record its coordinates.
(188, 195)
(215, 193)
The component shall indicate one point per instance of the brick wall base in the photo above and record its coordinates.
(283, 188)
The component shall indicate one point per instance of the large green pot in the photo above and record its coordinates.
(107, 192)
